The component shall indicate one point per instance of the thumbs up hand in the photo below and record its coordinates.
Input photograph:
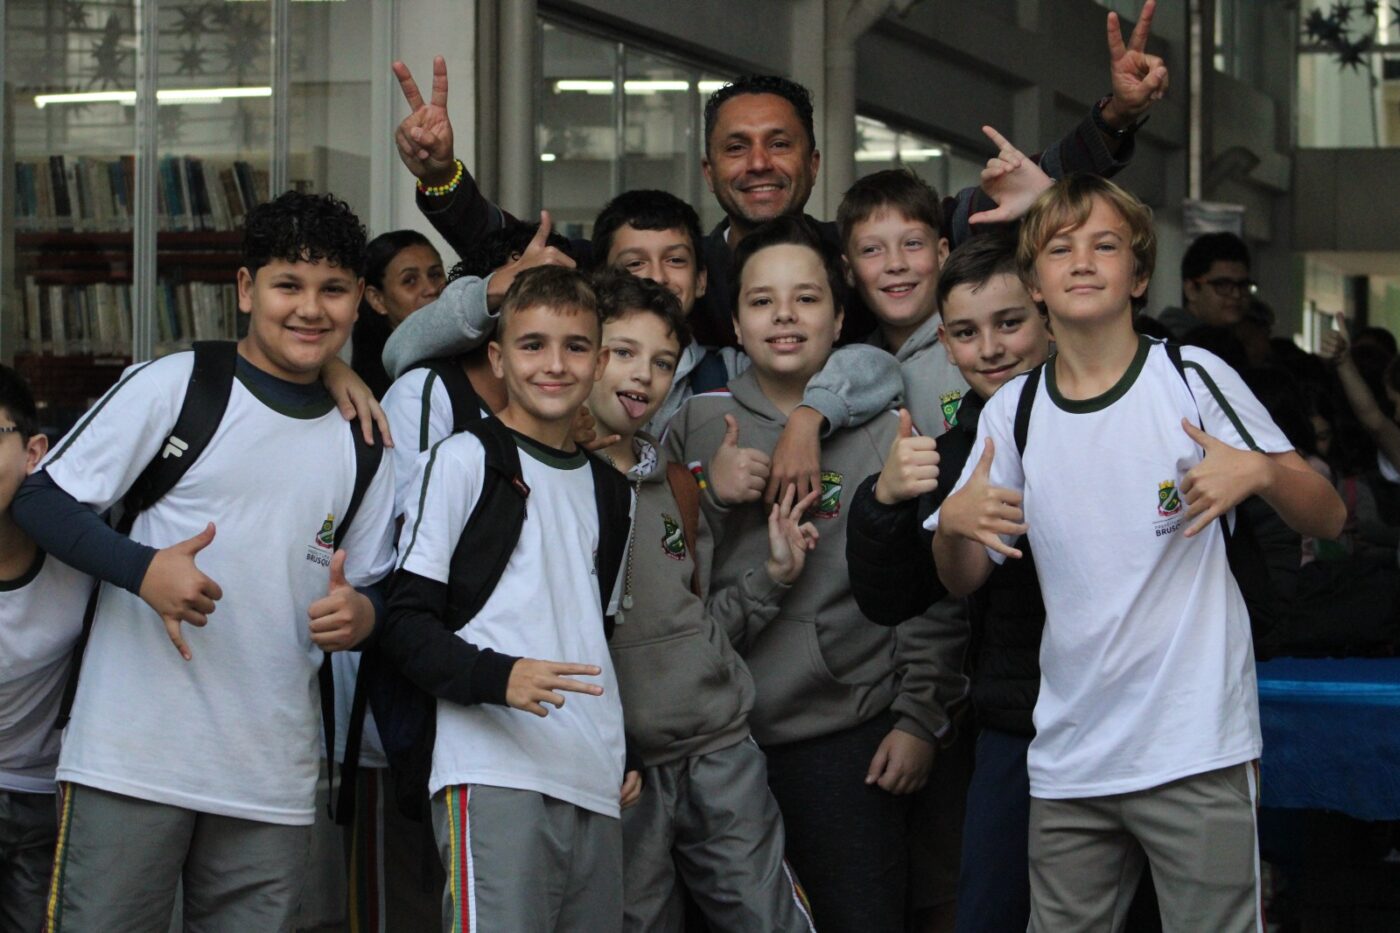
(342, 618)
(178, 591)
(982, 512)
(737, 474)
(1224, 478)
(911, 468)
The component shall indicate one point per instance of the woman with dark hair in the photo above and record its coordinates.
(403, 272)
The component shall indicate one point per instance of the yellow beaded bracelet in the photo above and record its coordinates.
(437, 191)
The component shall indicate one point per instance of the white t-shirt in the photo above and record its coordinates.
(41, 616)
(1147, 665)
(546, 606)
(236, 730)
(419, 416)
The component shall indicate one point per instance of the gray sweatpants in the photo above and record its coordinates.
(28, 827)
(120, 859)
(1197, 833)
(522, 861)
(713, 819)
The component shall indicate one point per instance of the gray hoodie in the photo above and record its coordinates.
(933, 387)
(685, 691)
(857, 383)
(820, 666)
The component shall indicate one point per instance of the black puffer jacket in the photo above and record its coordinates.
(893, 579)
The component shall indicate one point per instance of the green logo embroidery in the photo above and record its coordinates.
(950, 401)
(672, 538)
(829, 505)
(1168, 502)
(326, 536)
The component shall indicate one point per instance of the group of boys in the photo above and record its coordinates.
(645, 634)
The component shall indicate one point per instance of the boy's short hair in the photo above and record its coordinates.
(554, 287)
(645, 209)
(793, 230)
(1066, 205)
(892, 189)
(18, 402)
(975, 262)
(786, 88)
(496, 248)
(620, 294)
(297, 227)
(1208, 249)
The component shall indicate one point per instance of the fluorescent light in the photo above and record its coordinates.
(547, 157)
(202, 95)
(633, 86)
(889, 155)
(588, 87)
(86, 97)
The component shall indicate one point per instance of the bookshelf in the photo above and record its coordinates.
(135, 137)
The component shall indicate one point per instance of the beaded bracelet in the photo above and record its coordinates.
(437, 191)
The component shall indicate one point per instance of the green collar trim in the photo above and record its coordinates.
(1083, 406)
(549, 456)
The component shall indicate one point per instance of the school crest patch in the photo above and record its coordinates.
(950, 401)
(829, 505)
(1168, 501)
(326, 536)
(672, 538)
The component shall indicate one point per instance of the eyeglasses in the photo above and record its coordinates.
(1226, 287)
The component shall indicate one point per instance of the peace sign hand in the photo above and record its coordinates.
(1138, 79)
(424, 137)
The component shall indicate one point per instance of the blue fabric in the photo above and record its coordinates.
(994, 889)
(1332, 735)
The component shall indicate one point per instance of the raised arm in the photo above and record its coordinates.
(1336, 350)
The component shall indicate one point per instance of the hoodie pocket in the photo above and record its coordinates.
(674, 688)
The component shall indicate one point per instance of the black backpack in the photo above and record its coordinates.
(1247, 559)
(206, 399)
(404, 713)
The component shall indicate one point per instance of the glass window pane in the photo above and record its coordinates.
(659, 106)
(213, 142)
(711, 215)
(882, 146)
(578, 127)
(70, 80)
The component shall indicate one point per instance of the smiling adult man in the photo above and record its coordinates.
(761, 160)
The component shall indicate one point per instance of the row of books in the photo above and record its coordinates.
(96, 319)
(91, 195)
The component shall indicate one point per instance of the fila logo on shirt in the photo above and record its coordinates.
(174, 447)
(323, 543)
(1168, 507)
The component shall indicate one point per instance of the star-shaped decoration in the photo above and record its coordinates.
(109, 55)
(1341, 13)
(191, 61)
(1354, 54)
(191, 20)
(1370, 7)
(244, 39)
(74, 14)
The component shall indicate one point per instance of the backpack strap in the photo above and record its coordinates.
(687, 495)
(367, 460)
(492, 529)
(709, 374)
(613, 496)
(1021, 426)
(206, 399)
(466, 403)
